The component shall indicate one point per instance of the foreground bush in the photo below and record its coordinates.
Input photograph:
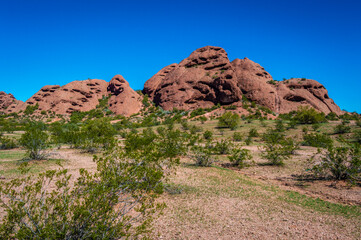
(35, 140)
(117, 201)
(340, 163)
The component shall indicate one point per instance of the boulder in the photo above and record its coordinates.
(123, 99)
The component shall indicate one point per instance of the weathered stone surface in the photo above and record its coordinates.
(207, 77)
(8, 103)
(74, 96)
(123, 100)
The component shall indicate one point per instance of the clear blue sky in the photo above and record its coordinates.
(56, 42)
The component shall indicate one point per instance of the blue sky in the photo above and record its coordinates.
(56, 42)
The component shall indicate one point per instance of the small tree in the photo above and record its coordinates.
(229, 120)
(35, 140)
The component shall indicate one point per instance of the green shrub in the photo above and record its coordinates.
(35, 140)
(316, 126)
(280, 126)
(208, 135)
(95, 134)
(222, 147)
(30, 109)
(7, 143)
(277, 148)
(237, 137)
(358, 123)
(340, 163)
(239, 157)
(332, 116)
(308, 115)
(317, 140)
(229, 120)
(116, 201)
(357, 136)
(202, 157)
(342, 128)
(253, 133)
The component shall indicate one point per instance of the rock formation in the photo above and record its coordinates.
(123, 100)
(74, 96)
(8, 102)
(207, 77)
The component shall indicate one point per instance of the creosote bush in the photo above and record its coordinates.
(340, 163)
(202, 156)
(308, 115)
(229, 120)
(117, 201)
(277, 148)
(317, 140)
(35, 140)
(239, 157)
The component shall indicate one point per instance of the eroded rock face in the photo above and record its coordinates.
(207, 77)
(74, 96)
(123, 100)
(8, 103)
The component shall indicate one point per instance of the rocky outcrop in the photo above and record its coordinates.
(123, 99)
(78, 96)
(74, 96)
(8, 103)
(207, 77)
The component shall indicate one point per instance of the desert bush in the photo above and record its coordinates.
(193, 129)
(253, 133)
(239, 157)
(277, 148)
(308, 115)
(116, 201)
(291, 124)
(229, 120)
(357, 136)
(30, 109)
(358, 123)
(248, 140)
(317, 140)
(222, 147)
(35, 140)
(202, 156)
(316, 126)
(7, 143)
(280, 126)
(237, 137)
(95, 134)
(208, 135)
(340, 163)
(342, 128)
(332, 116)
